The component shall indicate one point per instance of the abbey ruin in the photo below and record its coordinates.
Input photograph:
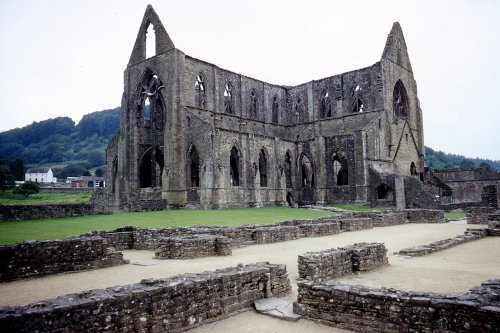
(195, 135)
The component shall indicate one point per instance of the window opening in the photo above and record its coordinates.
(253, 104)
(275, 108)
(234, 162)
(326, 105)
(263, 168)
(228, 98)
(200, 91)
(150, 42)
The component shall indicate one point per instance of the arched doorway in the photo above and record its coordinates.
(149, 177)
(307, 179)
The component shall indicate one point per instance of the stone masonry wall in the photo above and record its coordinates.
(195, 246)
(36, 212)
(334, 263)
(366, 309)
(479, 215)
(383, 219)
(421, 250)
(424, 215)
(39, 258)
(167, 305)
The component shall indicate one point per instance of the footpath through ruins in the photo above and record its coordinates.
(388, 271)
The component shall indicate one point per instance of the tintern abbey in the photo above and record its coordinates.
(196, 135)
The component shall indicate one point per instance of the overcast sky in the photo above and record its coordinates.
(66, 58)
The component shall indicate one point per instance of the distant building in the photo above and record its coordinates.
(85, 181)
(40, 175)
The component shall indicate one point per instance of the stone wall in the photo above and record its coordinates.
(479, 215)
(424, 215)
(383, 219)
(167, 305)
(266, 235)
(334, 263)
(366, 309)
(39, 258)
(194, 246)
(355, 224)
(35, 212)
(421, 250)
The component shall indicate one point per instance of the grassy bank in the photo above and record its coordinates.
(16, 231)
(43, 198)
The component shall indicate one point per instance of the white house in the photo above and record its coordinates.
(40, 175)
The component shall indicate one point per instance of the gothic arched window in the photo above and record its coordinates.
(263, 168)
(275, 108)
(299, 111)
(340, 170)
(288, 169)
(400, 100)
(200, 89)
(234, 163)
(253, 104)
(228, 98)
(193, 166)
(357, 100)
(326, 105)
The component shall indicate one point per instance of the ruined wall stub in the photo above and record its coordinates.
(220, 139)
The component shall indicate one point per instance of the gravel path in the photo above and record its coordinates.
(453, 270)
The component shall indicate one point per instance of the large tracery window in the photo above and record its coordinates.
(200, 89)
(299, 111)
(234, 163)
(326, 105)
(263, 168)
(253, 104)
(400, 100)
(228, 98)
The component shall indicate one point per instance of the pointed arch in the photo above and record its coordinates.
(200, 91)
(163, 42)
(413, 169)
(357, 99)
(340, 170)
(298, 110)
(235, 166)
(150, 109)
(275, 109)
(400, 100)
(307, 171)
(228, 98)
(193, 167)
(149, 177)
(150, 41)
(325, 105)
(253, 105)
(384, 192)
(114, 174)
(263, 167)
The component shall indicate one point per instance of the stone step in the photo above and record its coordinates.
(276, 308)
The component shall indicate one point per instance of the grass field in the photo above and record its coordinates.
(16, 231)
(454, 215)
(356, 207)
(8, 198)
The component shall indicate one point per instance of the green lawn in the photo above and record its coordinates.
(16, 231)
(356, 207)
(8, 198)
(454, 215)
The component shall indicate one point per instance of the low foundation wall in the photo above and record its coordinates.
(39, 258)
(334, 263)
(267, 235)
(366, 309)
(424, 215)
(36, 212)
(355, 224)
(422, 250)
(479, 215)
(383, 219)
(169, 305)
(196, 246)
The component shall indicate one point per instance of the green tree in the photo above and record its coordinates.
(485, 165)
(27, 188)
(6, 179)
(99, 172)
(87, 173)
(17, 169)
